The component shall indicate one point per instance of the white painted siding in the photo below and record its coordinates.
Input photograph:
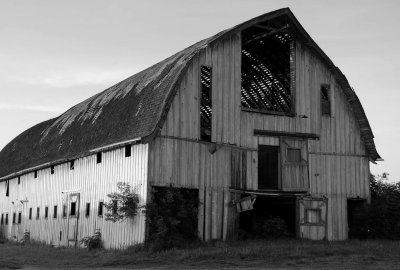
(93, 181)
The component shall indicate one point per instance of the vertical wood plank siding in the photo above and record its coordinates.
(338, 166)
(93, 182)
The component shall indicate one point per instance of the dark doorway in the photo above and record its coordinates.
(271, 217)
(355, 217)
(268, 167)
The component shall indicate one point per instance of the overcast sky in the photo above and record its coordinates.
(54, 54)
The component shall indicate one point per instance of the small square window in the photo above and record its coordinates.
(98, 157)
(100, 210)
(19, 218)
(72, 165)
(313, 216)
(52, 169)
(55, 211)
(87, 211)
(128, 150)
(46, 212)
(294, 155)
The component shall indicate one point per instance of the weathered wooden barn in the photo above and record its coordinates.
(257, 110)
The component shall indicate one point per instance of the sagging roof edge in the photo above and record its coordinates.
(365, 129)
(82, 155)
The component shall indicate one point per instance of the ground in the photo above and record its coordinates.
(252, 254)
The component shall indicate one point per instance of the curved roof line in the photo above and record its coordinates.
(136, 108)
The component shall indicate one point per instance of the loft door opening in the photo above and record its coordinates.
(268, 167)
(268, 68)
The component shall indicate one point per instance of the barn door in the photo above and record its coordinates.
(294, 164)
(73, 217)
(312, 218)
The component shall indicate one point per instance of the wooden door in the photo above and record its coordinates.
(294, 158)
(312, 218)
(73, 218)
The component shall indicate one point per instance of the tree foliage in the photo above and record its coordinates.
(382, 216)
(123, 204)
(172, 216)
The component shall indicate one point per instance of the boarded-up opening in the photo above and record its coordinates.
(268, 167)
(205, 104)
(355, 217)
(271, 217)
(268, 68)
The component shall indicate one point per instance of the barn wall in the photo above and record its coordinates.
(93, 181)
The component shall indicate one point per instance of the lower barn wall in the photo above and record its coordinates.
(93, 182)
(213, 169)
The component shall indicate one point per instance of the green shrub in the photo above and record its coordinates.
(92, 242)
(172, 216)
(123, 204)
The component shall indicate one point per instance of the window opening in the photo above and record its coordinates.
(268, 167)
(30, 213)
(64, 211)
(205, 104)
(37, 212)
(19, 180)
(87, 212)
(52, 169)
(72, 164)
(7, 188)
(19, 218)
(268, 69)
(46, 212)
(313, 216)
(35, 174)
(2, 219)
(98, 157)
(14, 220)
(294, 155)
(55, 211)
(7, 219)
(100, 210)
(325, 100)
(73, 209)
(128, 150)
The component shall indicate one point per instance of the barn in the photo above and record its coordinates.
(256, 120)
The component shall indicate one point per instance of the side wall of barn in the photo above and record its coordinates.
(92, 181)
(338, 165)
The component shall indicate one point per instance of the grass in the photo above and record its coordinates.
(272, 254)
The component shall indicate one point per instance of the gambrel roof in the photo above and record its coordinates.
(136, 108)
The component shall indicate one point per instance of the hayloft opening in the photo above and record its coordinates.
(271, 217)
(205, 104)
(268, 68)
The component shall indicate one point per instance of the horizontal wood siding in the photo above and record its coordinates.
(93, 181)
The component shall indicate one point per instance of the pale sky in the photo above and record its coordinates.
(54, 54)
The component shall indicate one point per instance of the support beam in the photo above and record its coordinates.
(259, 132)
